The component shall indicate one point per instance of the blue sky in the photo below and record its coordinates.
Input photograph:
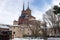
(10, 10)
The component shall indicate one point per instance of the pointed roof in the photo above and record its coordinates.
(23, 5)
(28, 6)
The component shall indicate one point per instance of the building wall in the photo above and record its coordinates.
(19, 31)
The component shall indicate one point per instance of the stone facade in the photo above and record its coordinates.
(19, 31)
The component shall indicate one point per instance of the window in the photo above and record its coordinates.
(28, 33)
(13, 32)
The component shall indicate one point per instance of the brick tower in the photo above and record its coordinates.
(25, 15)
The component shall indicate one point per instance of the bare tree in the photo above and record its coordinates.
(35, 27)
(38, 26)
(56, 12)
(50, 17)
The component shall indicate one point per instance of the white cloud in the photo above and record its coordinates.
(49, 6)
(55, 2)
(11, 9)
(2, 18)
(37, 13)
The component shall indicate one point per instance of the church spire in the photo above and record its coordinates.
(23, 5)
(28, 6)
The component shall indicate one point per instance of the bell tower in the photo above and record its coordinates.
(28, 11)
(25, 15)
(23, 12)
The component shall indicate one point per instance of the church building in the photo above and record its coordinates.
(25, 15)
(21, 28)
